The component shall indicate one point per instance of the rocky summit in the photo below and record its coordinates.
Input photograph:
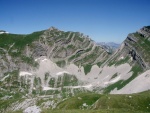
(53, 70)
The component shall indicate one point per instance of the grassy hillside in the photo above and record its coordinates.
(103, 103)
(90, 111)
(78, 101)
(19, 40)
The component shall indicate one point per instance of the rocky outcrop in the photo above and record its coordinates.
(59, 45)
(136, 46)
(135, 56)
(145, 31)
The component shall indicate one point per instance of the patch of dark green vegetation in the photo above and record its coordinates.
(71, 46)
(142, 46)
(20, 41)
(40, 101)
(51, 82)
(74, 56)
(46, 76)
(121, 61)
(78, 37)
(7, 39)
(29, 60)
(10, 82)
(4, 104)
(89, 58)
(121, 83)
(15, 43)
(18, 111)
(59, 81)
(89, 49)
(114, 76)
(99, 64)
(37, 85)
(69, 80)
(87, 68)
(11, 93)
(61, 63)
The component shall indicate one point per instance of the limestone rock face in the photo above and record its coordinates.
(145, 31)
(68, 47)
(138, 45)
(50, 65)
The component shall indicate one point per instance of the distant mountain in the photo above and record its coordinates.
(109, 46)
(3, 32)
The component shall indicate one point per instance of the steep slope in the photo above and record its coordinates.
(48, 61)
(135, 51)
(69, 47)
(61, 47)
(137, 46)
(46, 67)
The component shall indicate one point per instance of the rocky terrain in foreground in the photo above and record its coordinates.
(50, 68)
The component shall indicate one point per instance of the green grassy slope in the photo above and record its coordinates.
(98, 103)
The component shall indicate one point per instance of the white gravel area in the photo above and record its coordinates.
(139, 84)
(95, 76)
(32, 109)
(23, 73)
(100, 77)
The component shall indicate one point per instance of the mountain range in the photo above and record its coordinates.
(109, 46)
(56, 70)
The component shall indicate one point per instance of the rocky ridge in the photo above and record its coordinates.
(52, 65)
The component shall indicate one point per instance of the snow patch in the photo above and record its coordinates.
(85, 105)
(36, 59)
(122, 57)
(4, 77)
(113, 81)
(44, 59)
(32, 109)
(23, 73)
(130, 96)
(61, 73)
(4, 32)
(86, 86)
(48, 88)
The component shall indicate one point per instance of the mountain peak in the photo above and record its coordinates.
(145, 31)
(3, 32)
(53, 28)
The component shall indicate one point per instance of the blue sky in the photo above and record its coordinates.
(102, 20)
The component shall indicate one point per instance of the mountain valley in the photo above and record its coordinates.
(53, 70)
